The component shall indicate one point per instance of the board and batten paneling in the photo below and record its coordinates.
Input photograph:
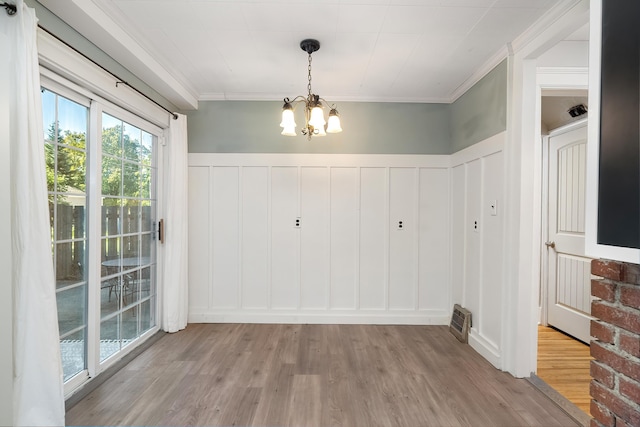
(477, 241)
(346, 260)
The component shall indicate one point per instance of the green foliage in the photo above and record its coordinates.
(122, 172)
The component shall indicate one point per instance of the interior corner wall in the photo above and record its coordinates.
(480, 112)
(368, 128)
(6, 285)
(477, 223)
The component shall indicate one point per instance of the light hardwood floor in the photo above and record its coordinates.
(314, 375)
(564, 364)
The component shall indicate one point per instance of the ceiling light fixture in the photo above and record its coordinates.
(313, 108)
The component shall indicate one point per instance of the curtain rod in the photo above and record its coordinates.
(119, 80)
(10, 8)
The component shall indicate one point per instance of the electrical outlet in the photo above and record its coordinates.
(297, 223)
(475, 226)
(400, 225)
(494, 207)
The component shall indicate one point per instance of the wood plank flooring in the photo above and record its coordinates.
(564, 364)
(314, 375)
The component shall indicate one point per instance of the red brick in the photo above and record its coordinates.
(630, 388)
(630, 343)
(630, 296)
(594, 423)
(615, 404)
(603, 353)
(603, 374)
(622, 317)
(602, 331)
(607, 269)
(621, 423)
(631, 274)
(603, 290)
(602, 414)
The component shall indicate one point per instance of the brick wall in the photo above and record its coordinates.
(615, 370)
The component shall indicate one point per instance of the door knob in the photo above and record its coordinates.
(550, 244)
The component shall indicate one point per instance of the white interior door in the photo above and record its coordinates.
(569, 270)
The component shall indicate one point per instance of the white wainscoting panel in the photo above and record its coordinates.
(374, 211)
(478, 239)
(314, 238)
(403, 229)
(433, 239)
(255, 237)
(199, 238)
(347, 261)
(225, 259)
(344, 238)
(285, 239)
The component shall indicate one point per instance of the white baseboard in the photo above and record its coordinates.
(487, 349)
(297, 317)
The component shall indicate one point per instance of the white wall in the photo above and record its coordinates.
(348, 262)
(6, 294)
(477, 241)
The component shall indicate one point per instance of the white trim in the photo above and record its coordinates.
(592, 248)
(408, 317)
(332, 160)
(485, 348)
(63, 61)
(523, 238)
(484, 148)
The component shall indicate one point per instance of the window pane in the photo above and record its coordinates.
(50, 166)
(129, 325)
(49, 115)
(146, 242)
(72, 122)
(110, 290)
(131, 139)
(71, 308)
(111, 176)
(131, 180)
(131, 217)
(111, 135)
(110, 216)
(130, 251)
(72, 350)
(109, 337)
(110, 256)
(145, 182)
(146, 315)
(147, 148)
(146, 219)
(69, 264)
(71, 220)
(72, 169)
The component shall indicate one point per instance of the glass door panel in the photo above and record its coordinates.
(128, 288)
(65, 135)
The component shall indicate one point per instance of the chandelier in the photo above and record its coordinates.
(313, 108)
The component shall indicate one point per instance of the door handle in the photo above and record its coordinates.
(550, 244)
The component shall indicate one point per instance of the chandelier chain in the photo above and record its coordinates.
(309, 77)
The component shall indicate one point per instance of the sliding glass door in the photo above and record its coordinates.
(102, 200)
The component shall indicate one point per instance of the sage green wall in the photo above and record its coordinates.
(56, 26)
(481, 111)
(368, 128)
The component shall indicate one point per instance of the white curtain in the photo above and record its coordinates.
(38, 396)
(175, 295)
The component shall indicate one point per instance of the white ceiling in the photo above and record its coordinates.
(371, 50)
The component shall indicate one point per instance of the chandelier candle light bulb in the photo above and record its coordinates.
(314, 113)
